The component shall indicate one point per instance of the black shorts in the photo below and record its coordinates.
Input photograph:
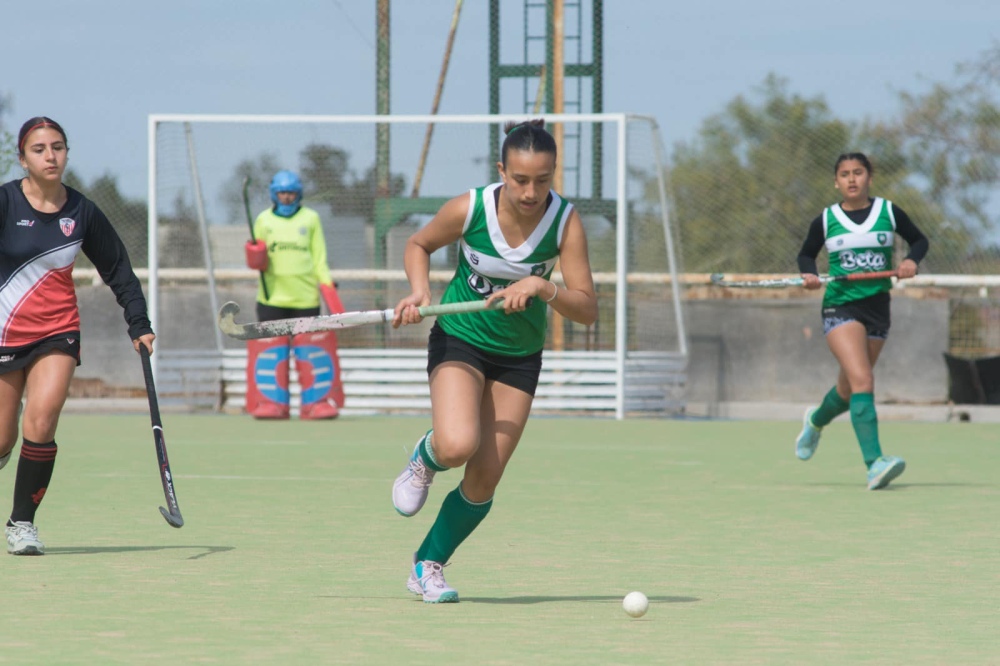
(18, 358)
(270, 312)
(871, 312)
(520, 372)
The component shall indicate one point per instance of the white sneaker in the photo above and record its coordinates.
(409, 491)
(22, 539)
(427, 580)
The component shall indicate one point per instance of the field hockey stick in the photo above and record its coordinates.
(173, 515)
(268, 329)
(718, 279)
(246, 207)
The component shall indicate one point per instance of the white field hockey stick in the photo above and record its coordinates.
(718, 279)
(270, 329)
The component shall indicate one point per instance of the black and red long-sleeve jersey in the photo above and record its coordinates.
(37, 253)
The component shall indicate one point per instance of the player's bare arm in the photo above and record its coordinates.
(577, 301)
(444, 228)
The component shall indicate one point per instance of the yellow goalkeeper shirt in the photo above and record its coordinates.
(296, 258)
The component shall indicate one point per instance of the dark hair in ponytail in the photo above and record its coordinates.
(530, 135)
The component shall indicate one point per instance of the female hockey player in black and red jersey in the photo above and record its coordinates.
(43, 225)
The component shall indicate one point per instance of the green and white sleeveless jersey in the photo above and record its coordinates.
(487, 263)
(858, 248)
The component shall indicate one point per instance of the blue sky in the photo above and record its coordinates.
(100, 67)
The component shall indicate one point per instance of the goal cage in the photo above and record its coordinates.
(374, 180)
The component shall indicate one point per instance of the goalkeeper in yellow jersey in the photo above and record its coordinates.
(290, 252)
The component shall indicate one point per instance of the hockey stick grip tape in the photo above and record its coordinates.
(458, 308)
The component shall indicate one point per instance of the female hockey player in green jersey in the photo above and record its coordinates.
(859, 235)
(484, 366)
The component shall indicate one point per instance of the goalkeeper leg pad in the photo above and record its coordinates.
(267, 378)
(318, 366)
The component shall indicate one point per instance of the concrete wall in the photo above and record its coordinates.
(106, 351)
(741, 350)
(766, 351)
(187, 323)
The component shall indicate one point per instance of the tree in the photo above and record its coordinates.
(326, 177)
(745, 191)
(260, 172)
(8, 147)
(951, 139)
(327, 171)
(129, 216)
(760, 171)
(896, 178)
(364, 191)
(177, 248)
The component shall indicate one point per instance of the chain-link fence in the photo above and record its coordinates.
(744, 189)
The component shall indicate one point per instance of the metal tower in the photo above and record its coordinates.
(556, 73)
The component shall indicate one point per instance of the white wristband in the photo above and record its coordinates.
(555, 292)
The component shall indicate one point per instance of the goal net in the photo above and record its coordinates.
(374, 180)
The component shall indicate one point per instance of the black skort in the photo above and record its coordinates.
(18, 358)
(871, 312)
(520, 372)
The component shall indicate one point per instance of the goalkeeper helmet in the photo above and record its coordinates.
(286, 181)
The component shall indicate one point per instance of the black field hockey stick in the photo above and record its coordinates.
(173, 516)
(718, 279)
(278, 327)
(246, 207)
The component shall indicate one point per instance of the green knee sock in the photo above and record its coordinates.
(455, 521)
(865, 422)
(426, 452)
(831, 407)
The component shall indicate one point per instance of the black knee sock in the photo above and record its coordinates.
(34, 471)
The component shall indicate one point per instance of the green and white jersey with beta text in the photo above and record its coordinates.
(858, 248)
(486, 263)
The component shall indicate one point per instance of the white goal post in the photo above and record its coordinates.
(358, 172)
